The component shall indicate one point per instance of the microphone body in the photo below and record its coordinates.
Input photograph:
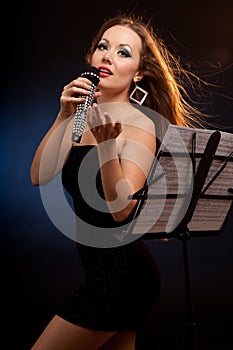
(92, 74)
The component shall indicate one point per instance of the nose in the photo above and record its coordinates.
(107, 57)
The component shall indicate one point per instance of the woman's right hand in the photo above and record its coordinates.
(72, 95)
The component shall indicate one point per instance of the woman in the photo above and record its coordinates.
(122, 282)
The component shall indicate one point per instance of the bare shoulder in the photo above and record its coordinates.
(137, 119)
(144, 122)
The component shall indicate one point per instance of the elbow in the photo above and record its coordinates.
(37, 182)
(40, 178)
(118, 217)
(34, 179)
(122, 215)
(121, 206)
(34, 183)
(34, 176)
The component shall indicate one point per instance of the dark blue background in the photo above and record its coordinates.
(43, 47)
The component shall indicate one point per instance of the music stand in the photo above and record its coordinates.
(215, 163)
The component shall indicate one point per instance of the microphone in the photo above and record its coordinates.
(92, 74)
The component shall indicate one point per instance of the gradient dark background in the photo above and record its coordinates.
(43, 48)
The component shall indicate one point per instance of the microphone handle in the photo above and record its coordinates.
(81, 114)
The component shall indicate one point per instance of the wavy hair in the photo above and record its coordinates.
(163, 76)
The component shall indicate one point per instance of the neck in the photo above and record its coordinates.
(108, 98)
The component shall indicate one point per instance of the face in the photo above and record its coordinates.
(117, 57)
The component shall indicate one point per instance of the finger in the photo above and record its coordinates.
(92, 119)
(75, 92)
(118, 127)
(108, 119)
(73, 100)
(97, 94)
(79, 86)
(97, 115)
(79, 82)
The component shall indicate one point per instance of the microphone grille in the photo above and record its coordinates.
(92, 74)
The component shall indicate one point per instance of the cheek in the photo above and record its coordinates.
(127, 70)
(128, 66)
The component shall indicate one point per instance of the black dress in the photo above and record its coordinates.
(122, 282)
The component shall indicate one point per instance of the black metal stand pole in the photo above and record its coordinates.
(191, 326)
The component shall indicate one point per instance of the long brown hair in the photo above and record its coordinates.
(162, 73)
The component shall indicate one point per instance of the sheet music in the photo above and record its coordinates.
(161, 214)
(179, 139)
(224, 180)
(209, 215)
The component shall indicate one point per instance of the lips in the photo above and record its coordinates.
(104, 71)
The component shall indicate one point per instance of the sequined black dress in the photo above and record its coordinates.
(122, 281)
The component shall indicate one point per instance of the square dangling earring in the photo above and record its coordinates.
(143, 92)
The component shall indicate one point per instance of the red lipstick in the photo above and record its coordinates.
(104, 71)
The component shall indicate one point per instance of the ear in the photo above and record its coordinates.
(138, 76)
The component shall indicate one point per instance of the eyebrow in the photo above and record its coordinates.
(119, 44)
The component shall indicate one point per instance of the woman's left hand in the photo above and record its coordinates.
(101, 125)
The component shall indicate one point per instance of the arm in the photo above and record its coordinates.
(55, 145)
(123, 176)
(48, 154)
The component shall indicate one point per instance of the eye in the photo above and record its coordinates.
(124, 52)
(102, 45)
